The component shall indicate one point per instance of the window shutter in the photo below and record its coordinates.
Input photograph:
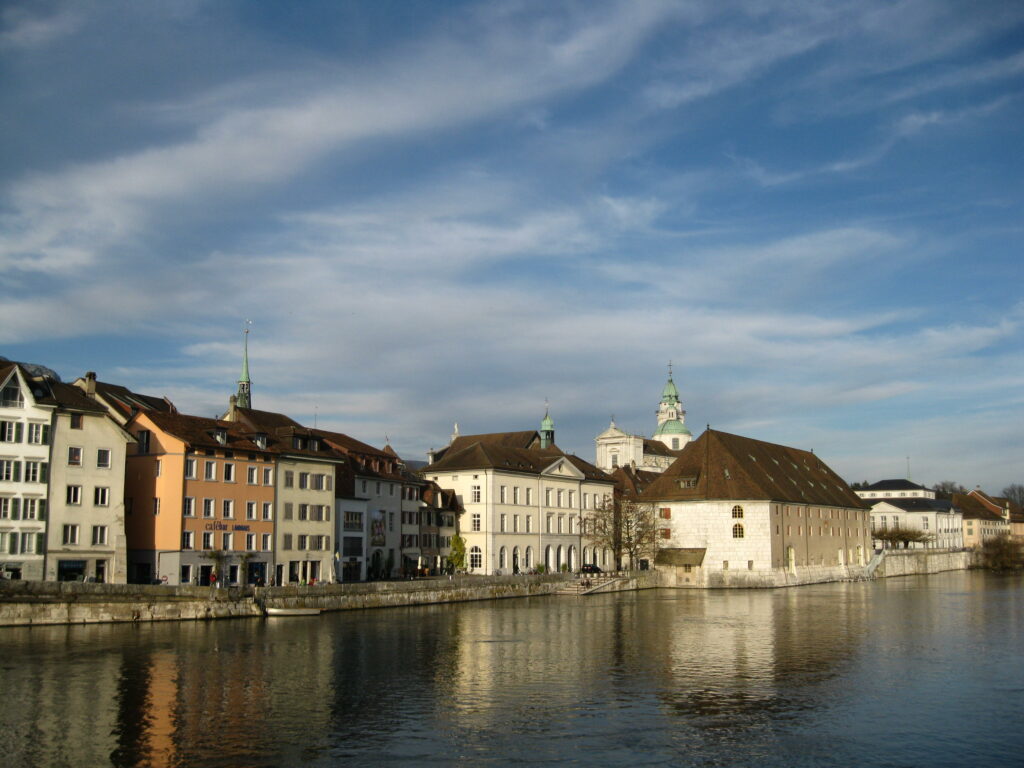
(41, 508)
(288, 511)
(46, 434)
(327, 542)
(15, 508)
(44, 472)
(18, 427)
(17, 471)
(327, 514)
(12, 544)
(40, 543)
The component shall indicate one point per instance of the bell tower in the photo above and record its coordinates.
(244, 383)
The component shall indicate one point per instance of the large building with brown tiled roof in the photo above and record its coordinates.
(761, 512)
(524, 499)
(984, 517)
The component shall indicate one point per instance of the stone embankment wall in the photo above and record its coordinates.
(762, 579)
(47, 602)
(921, 561)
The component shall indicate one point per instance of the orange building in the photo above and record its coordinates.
(199, 499)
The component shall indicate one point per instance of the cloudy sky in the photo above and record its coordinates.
(438, 212)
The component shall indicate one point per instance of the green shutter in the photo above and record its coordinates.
(15, 508)
(41, 509)
(18, 427)
(44, 472)
(17, 471)
(40, 543)
(46, 434)
(12, 544)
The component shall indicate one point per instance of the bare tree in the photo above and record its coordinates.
(893, 537)
(1015, 493)
(947, 488)
(628, 528)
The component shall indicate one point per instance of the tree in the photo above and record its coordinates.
(905, 536)
(457, 557)
(1002, 553)
(1015, 493)
(627, 527)
(946, 489)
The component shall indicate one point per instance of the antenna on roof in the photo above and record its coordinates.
(908, 467)
(314, 416)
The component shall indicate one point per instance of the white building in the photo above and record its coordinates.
(616, 448)
(26, 414)
(897, 488)
(935, 517)
(523, 498)
(743, 512)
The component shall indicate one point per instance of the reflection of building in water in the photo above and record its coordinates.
(729, 653)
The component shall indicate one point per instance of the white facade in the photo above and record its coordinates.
(24, 469)
(516, 522)
(945, 526)
(86, 536)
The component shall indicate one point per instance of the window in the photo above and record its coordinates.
(103, 458)
(76, 421)
(10, 432)
(572, 523)
(207, 540)
(156, 506)
(188, 506)
(475, 493)
(101, 497)
(38, 434)
(142, 441)
(561, 522)
(207, 507)
(547, 497)
(287, 541)
(303, 480)
(529, 523)
(502, 495)
(210, 471)
(229, 473)
(378, 489)
(250, 541)
(561, 497)
(318, 482)
(750, 565)
(252, 475)
(737, 531)
(250, 510)
(288, 507)
(228, 507)
(515, 523)
(301, 541)
(476, 521)
(391, 489)
(737, 512)
(225, 541)
(529, 496)
(476, 558)
(187, 539)
(74, 495)
(504, 523)
(268, 476)
(585, 499)
(10, 470)
(70, 534)
(35, 472)
(550, 523)
(74, 456)
(572, 498)
(11, 397)
(665, 513)
(190, 469)
(159, 467)
(515, 495)
(268, 510)
(665, 533)
(266, 542)
(289, 479)
(502, 557)
(99, 535)
(615, 460)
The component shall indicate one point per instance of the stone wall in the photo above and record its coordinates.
(766, 578)
(911, 562)
(47, 602)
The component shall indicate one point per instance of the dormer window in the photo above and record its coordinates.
(261, 441)
(314, 444)
(687, 482)
(12, 397)
(298, 443)
(221, 436)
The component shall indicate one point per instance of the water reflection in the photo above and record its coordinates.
(765, 677)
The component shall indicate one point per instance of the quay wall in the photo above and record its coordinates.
(923, 561)
(48, 602)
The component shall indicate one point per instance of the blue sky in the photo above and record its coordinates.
(439, 212)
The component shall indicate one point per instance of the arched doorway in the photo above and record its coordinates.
(528, 562)
(561, 557)
(515, 559)
(549, 563)
(572, 559)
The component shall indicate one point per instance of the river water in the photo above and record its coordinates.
(914, 671)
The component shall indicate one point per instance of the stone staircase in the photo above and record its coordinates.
(588, 585)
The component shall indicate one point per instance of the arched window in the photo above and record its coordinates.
(737, 531)
(502, 558)
(476, 558)
(528, 562)
(737, 512)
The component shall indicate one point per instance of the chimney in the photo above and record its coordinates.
(90, 384)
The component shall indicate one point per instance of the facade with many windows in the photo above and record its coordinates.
(26, 412)
(86, 536)
(523, 499)
(192, 513)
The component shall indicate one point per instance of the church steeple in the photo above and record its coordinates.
(244, 383)
(547, 429)
(671, 429)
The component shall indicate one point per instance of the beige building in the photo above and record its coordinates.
(523, 497)
(734, 511)
(86, 533)
(981, 523)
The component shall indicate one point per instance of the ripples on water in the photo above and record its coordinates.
(903, 672)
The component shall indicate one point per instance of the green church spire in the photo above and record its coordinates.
(244, 383)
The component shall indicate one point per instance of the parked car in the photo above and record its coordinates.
(590, 568)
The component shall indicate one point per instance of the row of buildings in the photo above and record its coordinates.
(103, 483)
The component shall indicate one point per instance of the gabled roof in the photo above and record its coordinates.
(973, 508)
(719, 465)
(897, 484)
(503, 451)
(525, 439)
(915, 504)
(631, 482)
(126, 403)
(198, 431)
(283, 430)
(999, 504)
(72, 398)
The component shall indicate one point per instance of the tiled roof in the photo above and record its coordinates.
(998, 504)
(916, 504)
(200, 431)
(125, 400)
(719, 465)
(72, 398)
(281, 432)
(500, 454)
(632, 482)
(973, 508)
(525, 439)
